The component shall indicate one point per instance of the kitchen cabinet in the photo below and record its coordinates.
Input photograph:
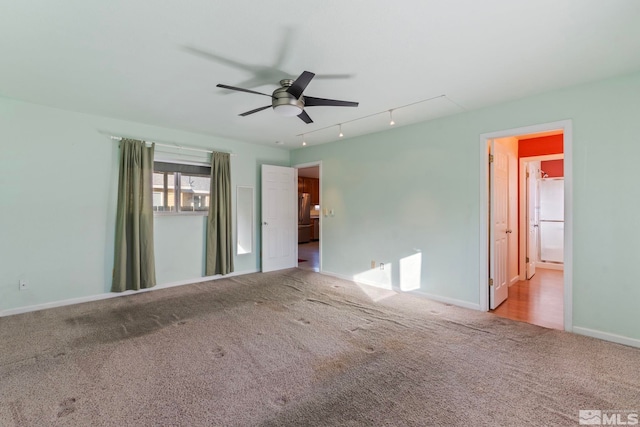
(315, 191)
(311, 186)
(315, 229)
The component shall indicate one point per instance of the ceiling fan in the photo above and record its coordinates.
(288, 100)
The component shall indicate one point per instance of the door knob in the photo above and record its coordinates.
(509, 231)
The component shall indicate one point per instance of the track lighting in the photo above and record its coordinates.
(390, 111)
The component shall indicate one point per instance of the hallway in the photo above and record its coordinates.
(538, 301)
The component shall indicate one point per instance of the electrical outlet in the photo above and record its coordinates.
(373, 264)
(23, 284)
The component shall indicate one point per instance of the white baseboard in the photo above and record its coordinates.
(549, 266)
(339, 276)
(445, 300)
(632, 342)
(99, 297)
(514, 281)
(361, 281)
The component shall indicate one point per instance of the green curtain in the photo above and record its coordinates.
(134, 262)
(219, 237)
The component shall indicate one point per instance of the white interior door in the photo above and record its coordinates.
(513, 242)
(533, 208)
(499, 230)
(551, 220)
(279, 218)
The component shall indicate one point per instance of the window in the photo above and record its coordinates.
(181, 188)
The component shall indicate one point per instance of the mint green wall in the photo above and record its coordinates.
(416, 188)
(394, 193)
(58, 184)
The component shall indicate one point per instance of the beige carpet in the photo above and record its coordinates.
(296, 348)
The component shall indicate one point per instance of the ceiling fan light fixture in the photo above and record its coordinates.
(286, 104)
(287, 110)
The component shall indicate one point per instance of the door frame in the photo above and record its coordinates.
(567, 130)
(522, 202)
(321, 239)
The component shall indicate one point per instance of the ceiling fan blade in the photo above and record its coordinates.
(285, 47)
(310, 101)
(333, 76)
(255, 111)
(218, 58)
(300, 84)
(242, 90)
(305, 117)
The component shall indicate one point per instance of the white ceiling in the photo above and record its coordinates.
(137, 60)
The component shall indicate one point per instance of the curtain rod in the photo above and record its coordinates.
(178, 147)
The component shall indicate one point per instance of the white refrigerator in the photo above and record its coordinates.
(551, 220)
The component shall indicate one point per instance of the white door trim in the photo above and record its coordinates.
(567, 129)
(309, 165)
(522, 220)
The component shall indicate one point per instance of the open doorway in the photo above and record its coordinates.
(309, 216)
(528, 228)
